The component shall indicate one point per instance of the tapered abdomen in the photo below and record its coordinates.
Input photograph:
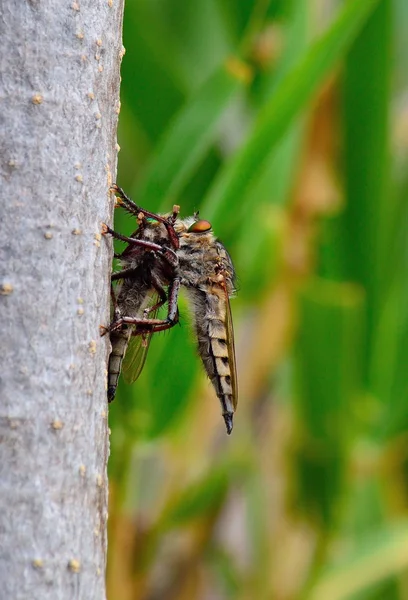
(132, 295)
(216, 346)
(119, 343)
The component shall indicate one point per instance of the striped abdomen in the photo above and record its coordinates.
(119, 343)
(216, 346)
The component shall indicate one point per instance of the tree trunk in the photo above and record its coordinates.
(59, 105)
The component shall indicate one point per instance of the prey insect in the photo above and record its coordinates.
(164, 254)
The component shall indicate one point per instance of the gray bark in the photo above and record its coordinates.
(59, 103)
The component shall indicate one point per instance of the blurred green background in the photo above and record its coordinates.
(285, 122)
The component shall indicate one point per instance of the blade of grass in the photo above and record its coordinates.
(289, 100)
(370, 209)
(389, 360)
(152, 404)
(204, 496)
(198, 26)
(189, 137)
(328, 368)
(379, 556)
(256, 273)
(274, 181)
(152, 85)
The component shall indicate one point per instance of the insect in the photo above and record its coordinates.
(162, 255)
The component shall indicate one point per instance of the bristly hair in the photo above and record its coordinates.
(127, 208)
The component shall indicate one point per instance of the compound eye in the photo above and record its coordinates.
(151, 221)
(199, 227)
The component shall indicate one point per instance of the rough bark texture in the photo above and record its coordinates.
(59, 103)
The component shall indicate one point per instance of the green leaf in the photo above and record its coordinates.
(328, 361)
(160, 395)
(290, 98)
(255, 272)
(199, 27)
(199, 499)
(377, 557)
(370, 209)
(149, 72)
(188, 138)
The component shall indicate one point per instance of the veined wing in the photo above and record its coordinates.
(137, 349)
(231, 350)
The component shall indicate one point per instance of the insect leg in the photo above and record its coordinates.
(124, 238)
(155, 283)
(153, 325)
(174, 289)
(134, 209)
(144, 325)
(172, 314)
(163, 296)
(165, 252)
(123, 274)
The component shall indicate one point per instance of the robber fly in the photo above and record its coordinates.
(163, 254)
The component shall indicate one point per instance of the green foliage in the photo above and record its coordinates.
(329, 364)
(188, 138)
(273, 119)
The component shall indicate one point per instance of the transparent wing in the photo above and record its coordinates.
(137, 349)
(231, 351)
(135, 357)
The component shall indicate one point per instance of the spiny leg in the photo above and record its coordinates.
(134, 209)
(155, 284)
(124, 274)
(153, 325)
(128, 273)
(114, 277)
(124, 238)
(165, 252)
(162, 294)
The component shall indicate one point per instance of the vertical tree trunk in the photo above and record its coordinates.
(59, 104)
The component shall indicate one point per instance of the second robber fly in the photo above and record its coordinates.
(163, 254)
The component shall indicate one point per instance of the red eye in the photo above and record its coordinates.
(199, 227)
